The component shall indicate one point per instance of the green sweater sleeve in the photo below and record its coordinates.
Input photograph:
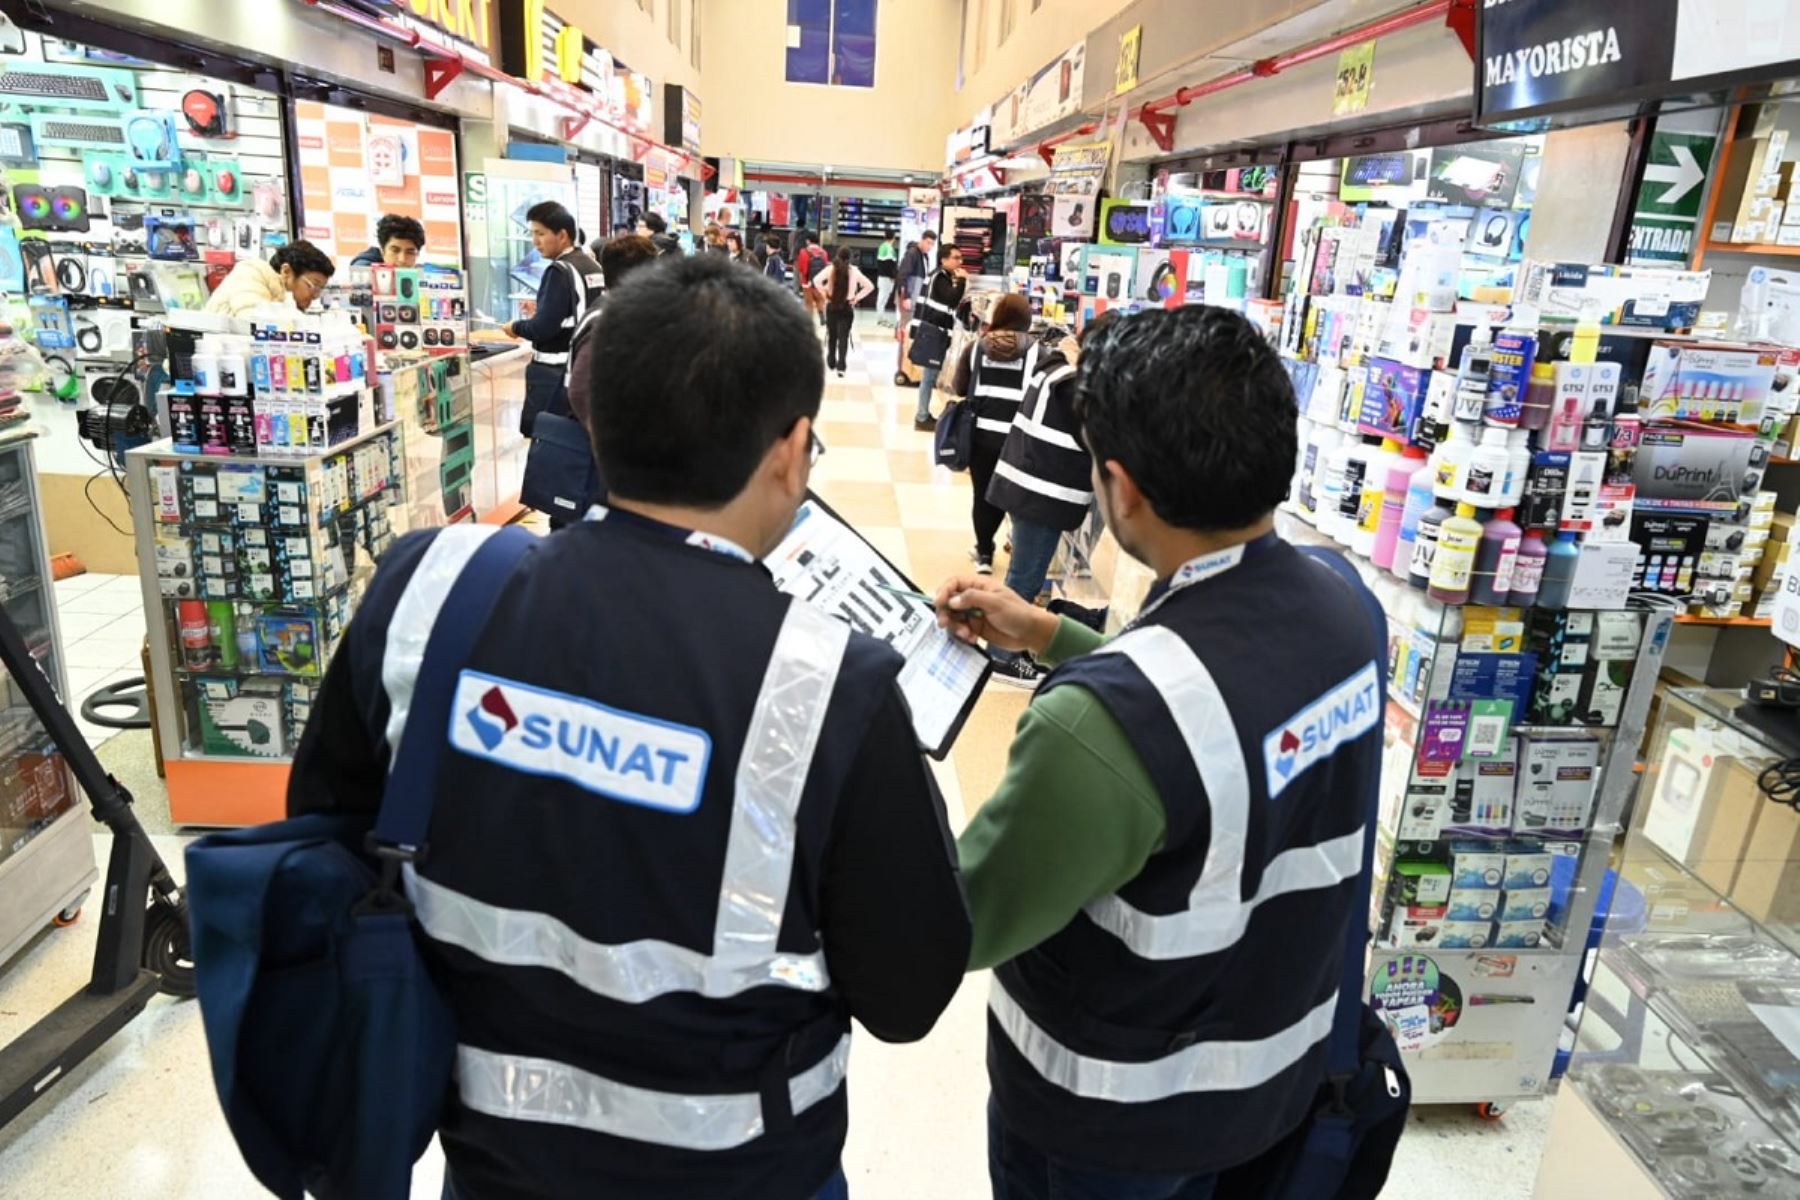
(1074, 818)
(1072, 640)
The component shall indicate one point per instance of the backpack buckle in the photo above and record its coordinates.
(1338, 1105)
(388, 894)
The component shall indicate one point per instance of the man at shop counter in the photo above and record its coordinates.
(570, 284)
(1163, 877)
(398, 243)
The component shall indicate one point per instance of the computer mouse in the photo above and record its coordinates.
(131, 178)
(191, 181)
(102, 174)
(226, 181)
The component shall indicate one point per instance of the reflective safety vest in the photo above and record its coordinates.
(623, 882)
(1045, 474)
(1178, 1026)
(996, 385)
(587, 282)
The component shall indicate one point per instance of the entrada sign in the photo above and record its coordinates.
(539, 46)
(464, 20)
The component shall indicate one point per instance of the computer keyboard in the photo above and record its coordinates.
(69, 85)
(72, 131)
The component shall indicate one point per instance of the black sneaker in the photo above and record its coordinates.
(1093, 618)
(984, 564)
(924, 424)
(1017, 670)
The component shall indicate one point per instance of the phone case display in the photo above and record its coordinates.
(434, 402)
(46, 842)
(254, 570)
(409, 310)
(504, 268)
(1689, 1045)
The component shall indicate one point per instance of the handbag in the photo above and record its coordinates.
(331, 1046)
(954, 442)
(561, 477)
(1344, 1150)
(930, 345)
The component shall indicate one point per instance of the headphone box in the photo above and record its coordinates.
(381, 280)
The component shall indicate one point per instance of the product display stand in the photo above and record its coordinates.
(251, 571)
(1688, 1051)
(1485, 891)
(46, 841)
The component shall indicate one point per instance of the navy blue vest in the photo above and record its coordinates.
(622, 893)
(1179, 1026)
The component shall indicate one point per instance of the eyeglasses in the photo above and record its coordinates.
(815, 447)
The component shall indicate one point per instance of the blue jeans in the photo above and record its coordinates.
(1020, 1172)
(1033, 546)
(836, 1188)
(927, 384)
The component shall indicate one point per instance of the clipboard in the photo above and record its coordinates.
(824, 561)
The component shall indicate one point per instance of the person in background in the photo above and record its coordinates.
(734, 250)
(299, 271)
(715, 238)
(887, 257)
(398, 241)
(991, 376)
(758, 245)
(1161, 841)
(1042, 481)
(620, 258)
(774, 264)
(937, 303)
(570, 285)
(915, 266)
(670, 1011)
(811, 260)
(841, 287)
(653, 226)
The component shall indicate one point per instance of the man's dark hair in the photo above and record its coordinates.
(393, 225)
(623, 255)
(653, 221)
(303, 256)
(552, 216)
(812, 239)
(705, 365)
(773, 242)
(945, 251)
(1195, 405)
(927, 236)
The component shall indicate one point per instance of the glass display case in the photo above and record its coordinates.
(1688, 1051)
(251, 569)
(46, 841)
(504, 268)
(1511, 738)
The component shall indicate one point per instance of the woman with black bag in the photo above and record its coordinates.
(933, 318)
(843, 286)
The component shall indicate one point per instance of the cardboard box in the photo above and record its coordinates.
(1750, 178)
(1767, 886)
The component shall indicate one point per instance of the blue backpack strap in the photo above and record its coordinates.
(411, 791)
(1343, 1050)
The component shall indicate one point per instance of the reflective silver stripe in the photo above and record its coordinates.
(1015, 394)
(553, 357)
(630, 973)
(992, 426)
(514, 1087)
(1042, 487)
(1216, 915)
(1202, 1067)
(1043, 433)
(759, 859)
(414, 615)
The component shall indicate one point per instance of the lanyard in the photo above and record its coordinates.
(690, 537)
(1200, 569)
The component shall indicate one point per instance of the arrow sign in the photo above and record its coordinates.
(1682, 176)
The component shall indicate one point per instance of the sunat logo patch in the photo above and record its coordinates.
(1343, 714)
(493, 718)
(619, 755)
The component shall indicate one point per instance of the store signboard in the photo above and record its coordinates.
(1053, 93)
(1537, 58)
(681, 117)
(1668, 202)
(464, 22)
(1355, 75)
(1131, 46)
(540, 46)
(971, 141)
